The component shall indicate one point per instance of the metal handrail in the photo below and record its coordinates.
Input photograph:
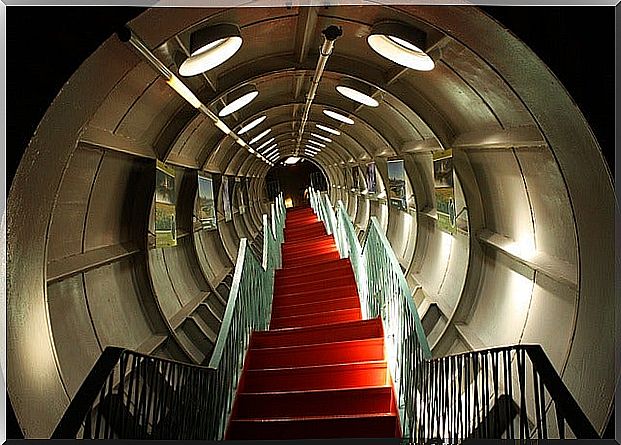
(509, 392)
(136, 396)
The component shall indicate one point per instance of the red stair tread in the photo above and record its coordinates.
(352, 330)
(340, 375)
(356, 426)
(314, 319)
(330, 402)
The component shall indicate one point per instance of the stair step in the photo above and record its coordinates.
(319, 281)
(312, 295)
(312, 259)
(352, 330)
(300, 254)
(317, 307)
(322, 354)
(337, 316)
(332, 266)
(331, 402)
(353, 426)
(349, 375)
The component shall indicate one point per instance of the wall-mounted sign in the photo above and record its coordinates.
(165, 200)
(445, 196)
(371, 186)
(206, 203)
(396, 184)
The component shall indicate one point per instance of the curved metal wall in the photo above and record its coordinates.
(83, 272)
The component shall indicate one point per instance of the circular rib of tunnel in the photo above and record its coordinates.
(525, 266)
(293, 180)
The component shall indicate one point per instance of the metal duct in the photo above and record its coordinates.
(330, 34)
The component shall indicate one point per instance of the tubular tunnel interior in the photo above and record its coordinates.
(527, 257)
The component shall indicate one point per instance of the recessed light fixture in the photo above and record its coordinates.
(323, 138)
(328, 129)
(259, 136)
(357, 95)
(338, 116)
(311, 148)
(402, 44)
(251, 125)
(243, 97)
(210, 47)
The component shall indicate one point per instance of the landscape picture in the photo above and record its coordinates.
(396, 184)
(165, 210)
(206, 203)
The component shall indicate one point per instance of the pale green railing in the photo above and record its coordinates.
(505, 392)
(384, 293)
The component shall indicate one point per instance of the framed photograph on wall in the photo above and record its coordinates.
(396, 184)
(445, 194)
(226, 201)
(165, 206)
(371, 185)
(206, 204)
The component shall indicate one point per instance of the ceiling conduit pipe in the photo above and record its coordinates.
(330, 34)
(126, 35)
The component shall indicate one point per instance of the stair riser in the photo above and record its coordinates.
(328, 334)
(319, 269)
(308, 247)
(305, 231)
(315, 319)
(380, 427)
(324, 283)
(308, 296)
(315, 259)
(328, 377)
(305, 253)
(330, 353)
(316, 308)
(324, 403)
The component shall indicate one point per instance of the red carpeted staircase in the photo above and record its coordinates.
(320, 372)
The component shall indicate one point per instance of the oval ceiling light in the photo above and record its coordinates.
(251, 125)
(328, 129)
(357, 95)
(243, 97)
(401, 44)
(259, 136)
(323, 138)
(338, 116)
(210, 47)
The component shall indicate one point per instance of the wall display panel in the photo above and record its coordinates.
(356, 177)
(243, 193)
(445, 196)
(228, 215)
(206, 203)
(165, 209)
(371, 183)
(396, 184)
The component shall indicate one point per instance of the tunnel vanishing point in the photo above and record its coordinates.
(527, 255)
